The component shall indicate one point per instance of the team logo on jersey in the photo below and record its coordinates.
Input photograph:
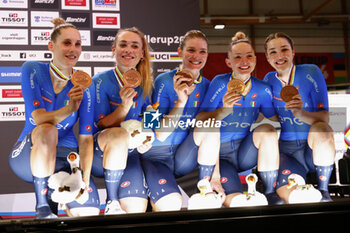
(134, 105)
(321, 105)
(323, 178)
(195, 104)
(223, 180)
(47, 99)
(88, 128)
(90, 189)
(36, 103)
(286, 172)
(101, 116)
(197, 94)
(254, 96)
(125, 184)
(151, 120)
(253, 103)
(44, 191)
(162, 181)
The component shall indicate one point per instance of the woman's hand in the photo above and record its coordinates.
(127, 95)
(76, 95)
(182, 89)
(230, 98)
(295, 105)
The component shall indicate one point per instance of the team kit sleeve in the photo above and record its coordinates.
(319, 93)
(213, 97)
(86, 110)
(266, 107)
(160, 93)
(102, 107)
(31, 73)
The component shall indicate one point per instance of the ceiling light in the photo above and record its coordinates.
(219, 26)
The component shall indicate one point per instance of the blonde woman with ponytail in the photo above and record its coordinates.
(115, 103)
(241, 148)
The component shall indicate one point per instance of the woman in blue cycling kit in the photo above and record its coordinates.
(52, 107)
(115, 103)
(242, 149)
(306, 141)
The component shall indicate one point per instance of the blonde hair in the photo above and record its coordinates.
(238, 38)
(190, 35)
(59, 23)
(144, 65)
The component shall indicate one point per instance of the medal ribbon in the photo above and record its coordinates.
(57, 73)
(119, 77)
(291, 77)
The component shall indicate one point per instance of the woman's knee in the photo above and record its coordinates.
(134, 204)
(170, 202)
(45, 134)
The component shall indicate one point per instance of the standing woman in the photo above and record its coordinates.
(52, 107)
(242, 149)
(179, 97)
(306, 139)
(115, 103)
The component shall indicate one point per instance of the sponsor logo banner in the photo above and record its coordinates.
(26, 55)
(103, 38)
(165, 57)
(14, 18)
(13, 37)
(10, 74)
(106, 20)
(75, 4)
(11, 94)
(80, 20)
(43, 18)
(106, 5)
(46, 4)
(12, 112)
(40, 36)
(14, 4)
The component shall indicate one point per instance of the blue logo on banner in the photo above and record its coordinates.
(151, 120)
(10, 74)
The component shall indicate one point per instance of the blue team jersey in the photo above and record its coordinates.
(245, 111)
(308, 79)
(38, 93)
(166, 96)
(108, 98)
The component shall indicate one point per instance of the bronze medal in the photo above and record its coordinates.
(237, 86)
(288, 92)
(186, 74)
(132, 78)
(81, 78)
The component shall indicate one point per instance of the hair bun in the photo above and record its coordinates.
(58, 21)
(239, 36)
